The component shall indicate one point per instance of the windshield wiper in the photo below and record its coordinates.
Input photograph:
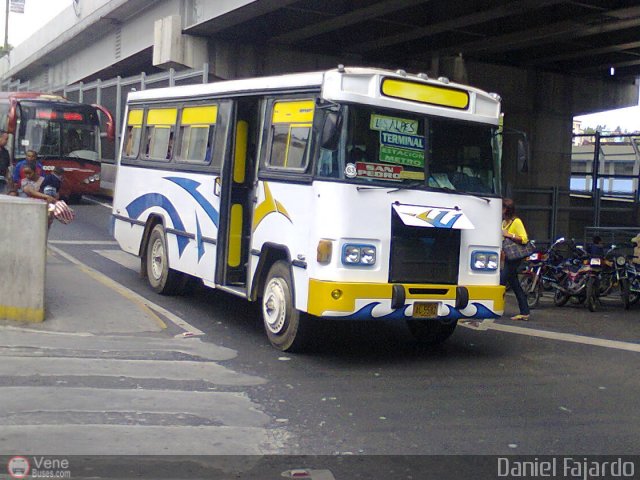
(469, 194)
(361, 188)
(408, 185)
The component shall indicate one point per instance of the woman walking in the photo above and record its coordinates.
(513, 230)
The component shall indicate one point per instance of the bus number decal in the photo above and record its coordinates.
(384, 123)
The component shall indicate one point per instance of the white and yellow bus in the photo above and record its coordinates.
(353, 193)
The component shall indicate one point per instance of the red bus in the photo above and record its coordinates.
(63, 133)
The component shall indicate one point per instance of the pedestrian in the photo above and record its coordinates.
(18, 174)
(5, 164)
(513, 229)
(53, 182)
(30, 185)
(596, 248)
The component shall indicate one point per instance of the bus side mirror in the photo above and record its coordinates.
(12, 118)
(331, 130)
(110, 126)
(523, 155)
(522, 148)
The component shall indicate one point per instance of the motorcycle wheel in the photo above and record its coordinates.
(624, 293)
(533, 294)
(591, 299)
(560, 298)
(634, 291)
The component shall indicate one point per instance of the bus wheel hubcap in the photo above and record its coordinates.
(157, 253)
(274, 306)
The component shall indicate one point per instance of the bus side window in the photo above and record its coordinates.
(197, 130)
(160, 132)
(290, 134)
(134, 130)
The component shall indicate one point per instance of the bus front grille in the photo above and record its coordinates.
(423, 255)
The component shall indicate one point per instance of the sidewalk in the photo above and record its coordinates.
(79, 299)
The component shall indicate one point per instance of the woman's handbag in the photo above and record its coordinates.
(516, 251)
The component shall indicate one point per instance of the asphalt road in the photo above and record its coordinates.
(565, 383)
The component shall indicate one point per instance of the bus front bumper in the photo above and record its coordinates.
(375, 301)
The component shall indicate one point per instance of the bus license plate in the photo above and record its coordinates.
(425, 309)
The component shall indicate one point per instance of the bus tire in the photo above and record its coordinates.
(431, 332)
(162, 279)
(285, 326)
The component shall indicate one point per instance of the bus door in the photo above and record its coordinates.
(237, 183)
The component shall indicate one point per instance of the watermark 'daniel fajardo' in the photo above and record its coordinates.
(582, 468)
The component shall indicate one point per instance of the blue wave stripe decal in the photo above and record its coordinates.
(199, 239)
(191, 186)
(366, 313)
(481, 312)
(144, 202)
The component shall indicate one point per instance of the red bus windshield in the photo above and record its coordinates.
(57, 130)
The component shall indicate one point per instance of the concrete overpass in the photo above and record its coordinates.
(548, 59)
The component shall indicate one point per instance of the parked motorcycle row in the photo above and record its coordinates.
(567, 272)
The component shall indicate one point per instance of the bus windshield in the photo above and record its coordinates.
(397, 149)
(58, 130)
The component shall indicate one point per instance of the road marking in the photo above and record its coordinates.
(121, 258)
(563, 337)
(98, 202)
(130, 294)
(83, 242)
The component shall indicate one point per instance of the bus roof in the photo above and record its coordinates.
(279, 82)
(357, 84)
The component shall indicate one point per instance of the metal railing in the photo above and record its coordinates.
(555, 212)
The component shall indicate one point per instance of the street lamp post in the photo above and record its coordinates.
(6, 28)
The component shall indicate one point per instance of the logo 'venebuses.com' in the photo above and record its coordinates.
(18, 467)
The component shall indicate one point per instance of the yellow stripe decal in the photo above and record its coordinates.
(267, 206)
(205, 115)
(293, 112)
(21, 314)
(235, 236)
(432, 94)
(135, 117)
(240, 155)
(162, 116)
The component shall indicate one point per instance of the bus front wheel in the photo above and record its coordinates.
(285, 326)
(162, 279)
(431, 332)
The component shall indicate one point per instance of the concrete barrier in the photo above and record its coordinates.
(23, 252)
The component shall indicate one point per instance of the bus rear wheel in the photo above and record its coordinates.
(285, 326)
(162, 279)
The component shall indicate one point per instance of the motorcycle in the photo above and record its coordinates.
(575, 271)
(542, 270)
(633, 274)
(606, 274)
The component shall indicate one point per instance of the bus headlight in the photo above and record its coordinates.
(93, 178)
(355, 254)
(484, 261)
